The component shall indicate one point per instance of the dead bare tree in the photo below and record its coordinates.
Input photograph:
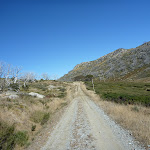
(45, 76)
(28, 77)
(7, 74)
(1, 69)
(55, 77)
(16, 73)
(2, 82)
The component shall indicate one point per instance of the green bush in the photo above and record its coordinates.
(33, 128)
(127, 99)
(45, 118)
(62, 95)
(83, 78)
(62, 89)
(88, 78)
(21, 138)
(79, 78)
(25, 87)
(14, 86)
(9, 137)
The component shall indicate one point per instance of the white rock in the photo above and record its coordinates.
(13, 96)
(36, 94)
(51, 87)
(10, 93)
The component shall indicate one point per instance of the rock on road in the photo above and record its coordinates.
(84, 126)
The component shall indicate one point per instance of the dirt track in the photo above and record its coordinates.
(84, 126)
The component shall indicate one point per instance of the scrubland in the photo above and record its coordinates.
(22, 118)
(123, 92)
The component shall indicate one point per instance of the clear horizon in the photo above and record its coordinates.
(54, 36)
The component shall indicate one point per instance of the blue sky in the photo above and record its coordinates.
(55, 35)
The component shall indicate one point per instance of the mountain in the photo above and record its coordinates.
(121, 64)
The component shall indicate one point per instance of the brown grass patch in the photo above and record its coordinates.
(134, 118)
(30, 113)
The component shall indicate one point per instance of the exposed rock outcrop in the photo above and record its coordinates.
(122, 63)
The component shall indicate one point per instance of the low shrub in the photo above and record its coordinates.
(25, 88)
(41, 86)
(9, 137)
(14, 86)
(122, 92)
(40, 117)
(62, 89)
(45, 118)
(135, 108)
(37, 116)
(33, 127)
(62, 95)
(127, 99)
(21, 138)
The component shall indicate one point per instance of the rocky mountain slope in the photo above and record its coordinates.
(121, 64)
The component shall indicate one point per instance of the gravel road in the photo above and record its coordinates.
(84, 126)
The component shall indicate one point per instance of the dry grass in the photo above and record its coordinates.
(20, 111)
(135, 118)
(132, 117)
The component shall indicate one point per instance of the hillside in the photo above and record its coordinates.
(121, 64)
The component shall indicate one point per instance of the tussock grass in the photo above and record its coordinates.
(45, 118)
(37, 116)
(40, 117)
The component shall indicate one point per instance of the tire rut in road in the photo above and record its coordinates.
(82, 137)
(59, 139)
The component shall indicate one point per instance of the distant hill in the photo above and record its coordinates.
(121, 64)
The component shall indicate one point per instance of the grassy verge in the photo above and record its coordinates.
(123, 92)
(132, 117)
